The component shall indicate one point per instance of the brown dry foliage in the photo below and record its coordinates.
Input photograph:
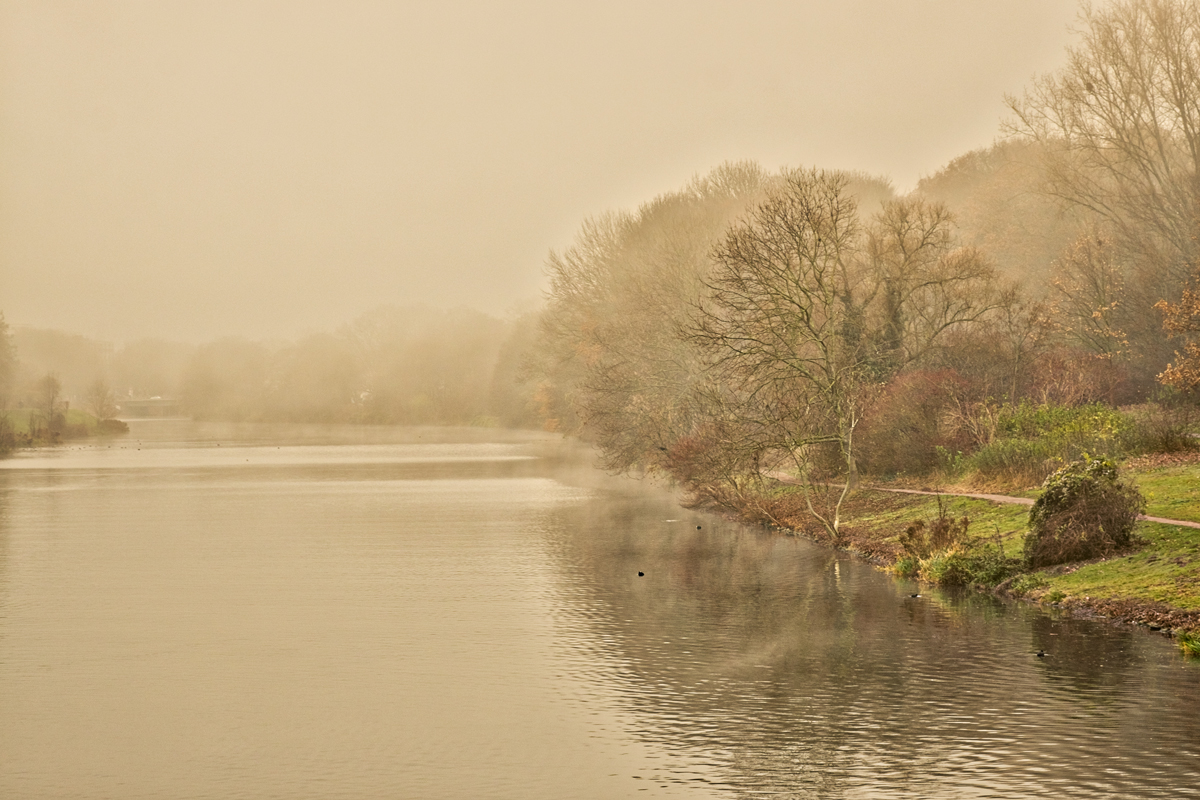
(1183, 319)
(943, 532)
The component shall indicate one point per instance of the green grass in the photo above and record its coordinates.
(20, 418)
(987, 518)
(1166, 570)
(988, 555)
(1171, 492)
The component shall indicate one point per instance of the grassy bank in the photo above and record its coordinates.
(1156, 583)
(24, 427)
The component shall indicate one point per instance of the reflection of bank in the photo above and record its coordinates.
(150, 408)
(776, 667)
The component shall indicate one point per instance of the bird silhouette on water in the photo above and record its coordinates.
(1041, 654)
(641, 574)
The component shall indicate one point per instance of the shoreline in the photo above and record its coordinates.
(1119, 588)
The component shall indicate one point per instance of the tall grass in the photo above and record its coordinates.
(1031, 441)
(1189, 643)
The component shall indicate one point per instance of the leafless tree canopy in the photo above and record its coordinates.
(618, 297)
(810, 310)
(1121, 125)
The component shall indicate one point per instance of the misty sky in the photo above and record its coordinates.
(195, 169)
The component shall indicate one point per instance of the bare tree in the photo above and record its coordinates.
(49, 406)
(926, 283)
(784, 326)
(1120, 126)
(810, 312)
(8, 362)
(8, 369)
(618, 297)
(1089, 296)
(100, 400)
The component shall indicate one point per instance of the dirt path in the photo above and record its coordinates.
(995, 498)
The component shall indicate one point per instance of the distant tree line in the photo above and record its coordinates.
(43, 412)
(393, 365)
(415, 366)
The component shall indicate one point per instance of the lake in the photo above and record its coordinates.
(224, 611)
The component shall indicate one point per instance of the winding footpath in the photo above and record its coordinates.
(995, 498)
(1023, 501)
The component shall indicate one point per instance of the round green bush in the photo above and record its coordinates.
(1085, 511)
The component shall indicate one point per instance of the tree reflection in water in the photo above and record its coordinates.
(787, 667)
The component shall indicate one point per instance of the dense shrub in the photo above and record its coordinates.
(904, 430)
(943, 532)
(1084, 511)
(714, 462)
(1018, 461)
(946, 569)
(907, 567)
(957, 566)
(1031, 441)
(1082, 423)
(1069, 376)
(990, 567)
(1153, 428)
(939, 552)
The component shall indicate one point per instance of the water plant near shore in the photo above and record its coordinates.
(21, 428)
(981, 566)
(1189, 643)
(940, 551)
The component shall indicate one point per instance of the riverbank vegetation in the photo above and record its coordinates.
(1027, 313)
(33, 412)
(1154, 582)
(39, 415)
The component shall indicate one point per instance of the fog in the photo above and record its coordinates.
(270, 169)
(330, 334)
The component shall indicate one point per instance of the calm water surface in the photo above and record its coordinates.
(307, 612)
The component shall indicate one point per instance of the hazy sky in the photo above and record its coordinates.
(193, 169)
